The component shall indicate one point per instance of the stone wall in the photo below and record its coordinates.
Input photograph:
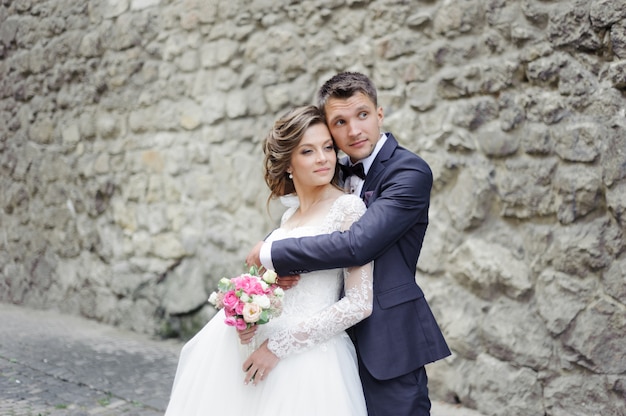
(131, 168)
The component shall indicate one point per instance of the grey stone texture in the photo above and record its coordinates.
(131, 169)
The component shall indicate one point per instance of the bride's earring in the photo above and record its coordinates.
(290, 176)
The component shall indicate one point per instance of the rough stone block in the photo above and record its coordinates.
(572, 27)
(616, 202)
(483, 267)
(617, 74)
(578, 142)
(518, 391)
(603, 13)
(598, 336)
(578, 193)
(573, 292)
(167, 246)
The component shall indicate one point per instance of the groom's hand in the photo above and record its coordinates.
(287, 282)
(254, 259)
(254, 256)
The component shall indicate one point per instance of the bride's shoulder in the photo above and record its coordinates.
(350, 203)
(345, 198)
(346, 210)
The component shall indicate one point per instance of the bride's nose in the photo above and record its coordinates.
(321, 157)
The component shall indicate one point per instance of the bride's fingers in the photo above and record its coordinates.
(249, 376)
(247, 365)
(254, 374)
(250, 369)
(258, 376)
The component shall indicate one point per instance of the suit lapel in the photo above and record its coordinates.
(378, 166)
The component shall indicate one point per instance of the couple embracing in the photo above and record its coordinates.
(352, 240)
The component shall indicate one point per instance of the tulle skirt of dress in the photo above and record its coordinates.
(209, 379)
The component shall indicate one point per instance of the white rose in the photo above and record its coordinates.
(279, 292)
(262, 300)
(270, 276)
(213, 298)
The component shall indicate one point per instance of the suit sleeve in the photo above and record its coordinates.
(402, 202)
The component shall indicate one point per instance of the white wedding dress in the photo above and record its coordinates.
(317, 374)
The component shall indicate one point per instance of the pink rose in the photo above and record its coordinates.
(256, 288)
(236, 281)
(230, 300)
(241, 324)
(242, 282)
(239, 308)
(230, 321)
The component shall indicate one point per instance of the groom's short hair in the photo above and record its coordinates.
(345, 85)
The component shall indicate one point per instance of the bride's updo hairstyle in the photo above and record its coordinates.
(280, 143)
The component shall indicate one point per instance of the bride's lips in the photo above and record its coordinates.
(322, 170)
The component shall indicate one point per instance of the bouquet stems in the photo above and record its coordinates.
(246, 350)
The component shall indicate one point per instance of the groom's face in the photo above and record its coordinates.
(355, 124)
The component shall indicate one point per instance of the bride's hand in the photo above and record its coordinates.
(259, 364)
(246, 335)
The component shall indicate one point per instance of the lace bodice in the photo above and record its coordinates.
(312, 310)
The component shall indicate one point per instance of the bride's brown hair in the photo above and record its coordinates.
(280, 143)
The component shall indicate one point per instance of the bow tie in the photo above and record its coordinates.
(357, 170)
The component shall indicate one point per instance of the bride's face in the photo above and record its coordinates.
(313, 160)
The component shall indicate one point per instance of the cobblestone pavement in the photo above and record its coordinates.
(53, 364)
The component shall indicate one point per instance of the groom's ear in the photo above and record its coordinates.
(381, 116)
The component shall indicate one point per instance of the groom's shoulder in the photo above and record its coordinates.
(400, 157)
(400, 151)
(404, 160)
(404, 155)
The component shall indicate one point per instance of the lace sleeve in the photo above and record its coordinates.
(355, 306)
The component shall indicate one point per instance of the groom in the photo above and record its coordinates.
(401, 336)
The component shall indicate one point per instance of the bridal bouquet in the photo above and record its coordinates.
(248, 299)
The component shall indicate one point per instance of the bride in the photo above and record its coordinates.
(317, 370)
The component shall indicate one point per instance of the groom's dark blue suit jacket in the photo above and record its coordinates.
(401, 335)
